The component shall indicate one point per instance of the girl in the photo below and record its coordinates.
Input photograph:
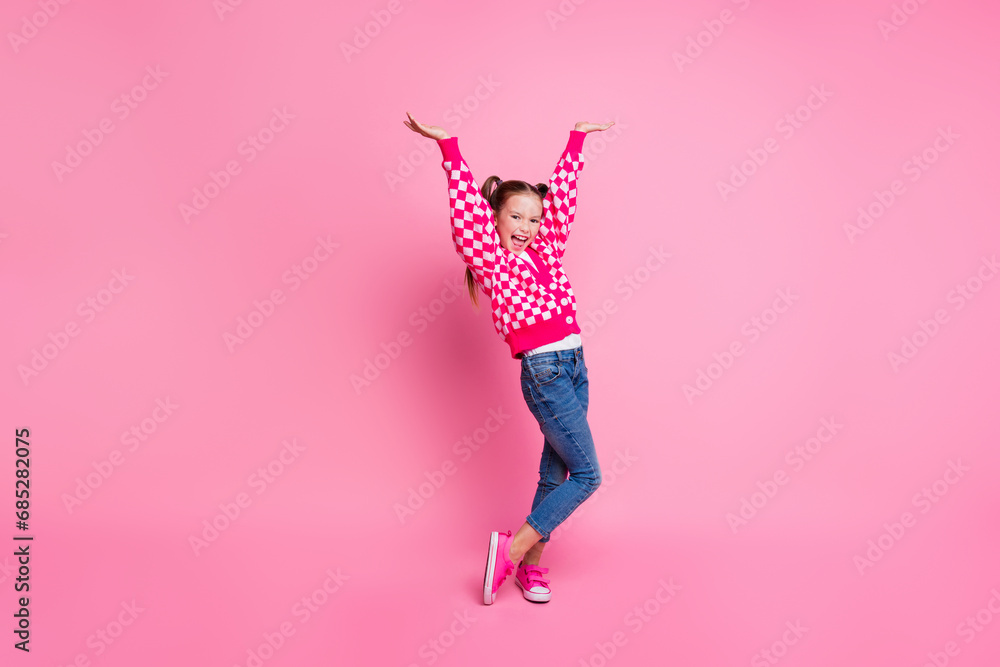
(512, 236)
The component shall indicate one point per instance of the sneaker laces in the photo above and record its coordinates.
(533, 575)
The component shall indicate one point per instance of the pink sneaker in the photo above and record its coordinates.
(529, 579)
(498, 565)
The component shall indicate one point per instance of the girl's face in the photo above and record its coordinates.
(518, 222)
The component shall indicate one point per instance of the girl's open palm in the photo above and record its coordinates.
(430, 131)
(584, 126)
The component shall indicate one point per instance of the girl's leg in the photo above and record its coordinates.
(533, 555)
(551, 474)
(555, 387)
(524, 540)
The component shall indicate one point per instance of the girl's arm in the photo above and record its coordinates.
(560, 200)
(472, 228)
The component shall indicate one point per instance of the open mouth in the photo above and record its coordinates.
(518, 241)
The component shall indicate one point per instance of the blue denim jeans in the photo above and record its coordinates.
(554, 385)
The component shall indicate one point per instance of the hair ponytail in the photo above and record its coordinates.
(495, 192)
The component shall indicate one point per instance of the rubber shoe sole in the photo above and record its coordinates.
(491, 563)
(533, 597)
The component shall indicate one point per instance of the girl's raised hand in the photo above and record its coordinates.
(430, 131)
(584, 126)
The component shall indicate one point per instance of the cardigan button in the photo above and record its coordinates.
(569, 319)
(553, 285)
(563, 301)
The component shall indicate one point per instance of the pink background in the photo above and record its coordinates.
(344, 169)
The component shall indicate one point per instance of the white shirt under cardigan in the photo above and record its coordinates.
(568, 343)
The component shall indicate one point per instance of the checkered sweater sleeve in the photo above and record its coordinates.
(472, 226)
(560, 201)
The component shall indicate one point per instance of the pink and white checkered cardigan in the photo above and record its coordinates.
(529, 308)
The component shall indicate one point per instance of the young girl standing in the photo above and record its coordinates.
(512, 236)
